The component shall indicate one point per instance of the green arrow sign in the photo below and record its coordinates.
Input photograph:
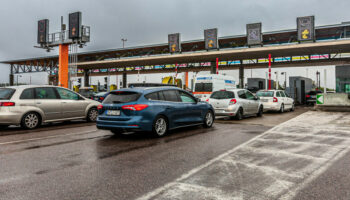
(319, 99)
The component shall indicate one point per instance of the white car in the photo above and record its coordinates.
(235, 103)
(275, 100)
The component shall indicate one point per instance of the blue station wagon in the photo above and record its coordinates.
(156, 110)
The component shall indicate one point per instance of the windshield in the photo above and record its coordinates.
(265, 94)
(6, 93)
(222, 95)
(204, 87)
(121, 97)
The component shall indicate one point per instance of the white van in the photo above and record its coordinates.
(204, 85)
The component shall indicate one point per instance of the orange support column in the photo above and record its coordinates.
(63, 66)
(186, 79)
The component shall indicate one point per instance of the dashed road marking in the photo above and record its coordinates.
(273, 165)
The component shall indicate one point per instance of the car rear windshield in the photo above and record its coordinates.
(6, 93)
(204, 87)
(265, 94)
(121, 97)
(222, 95)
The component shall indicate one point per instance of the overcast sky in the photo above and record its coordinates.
(145, 22)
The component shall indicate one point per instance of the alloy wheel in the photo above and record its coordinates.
(31, 120)
(160, 126)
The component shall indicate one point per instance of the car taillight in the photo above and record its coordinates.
(308, 96)
(275, 99)
(136, 107)
(102, 98)
(207, 100)
(233, 101)
(7, 104)
(100, 107)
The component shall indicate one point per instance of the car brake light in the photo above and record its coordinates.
(233, 101)
(102, 98)
(275, 99)
(207, 100)
(100, 107)
(7, 104)
(136, 107)
(307, 96)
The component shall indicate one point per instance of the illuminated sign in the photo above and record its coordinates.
(74, 25)
(211, 38)
(306, 28)
(43, 31)
(254, 35)
(174, 42)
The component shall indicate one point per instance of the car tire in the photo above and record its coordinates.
(160, 126)
(3, 127)
(208, 119)
(261, 111)
(92, 115)
(282, 108)
(293, 108)
(31, 120)
(239, 114)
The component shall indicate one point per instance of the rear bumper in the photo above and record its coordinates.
(9, 118)
(229, 111)
(271, 106)
(137, 123)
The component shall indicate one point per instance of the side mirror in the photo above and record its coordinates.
(256, 98)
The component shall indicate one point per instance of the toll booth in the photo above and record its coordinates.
(342, 79)
(258, 83)
(298, 88)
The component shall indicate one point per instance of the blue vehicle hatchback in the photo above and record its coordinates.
(156, 109)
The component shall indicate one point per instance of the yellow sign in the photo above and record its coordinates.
(305, 34)
(173, 47)
(211, 43)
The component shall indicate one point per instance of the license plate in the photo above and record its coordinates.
(113, 112)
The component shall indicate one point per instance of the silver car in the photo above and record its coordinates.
(235, 103)
(30, 106)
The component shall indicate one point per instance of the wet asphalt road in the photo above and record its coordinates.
(75, 161)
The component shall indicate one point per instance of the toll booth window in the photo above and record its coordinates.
(204, 87)
(6, 94)
(45, 93)
(121, 97)
(66, 94)
(27, 94)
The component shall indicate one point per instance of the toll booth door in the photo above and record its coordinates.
(302, 91)
(261, 85)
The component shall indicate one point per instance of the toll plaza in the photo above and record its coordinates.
(329, 45)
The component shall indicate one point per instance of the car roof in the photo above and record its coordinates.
(28, 86)
(147, 89)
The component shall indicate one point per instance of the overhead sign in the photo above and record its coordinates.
(43, 31)
(211, 38)
(75, 25)
(174, 42)
(319, 99)
(254, 34)
(306, 28)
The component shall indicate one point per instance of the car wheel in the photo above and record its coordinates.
(260, 113)
(31, 120)
(293, 108)
(209, 119)
(282, 108)
(239, 114)
(160, 126)
(92, 115)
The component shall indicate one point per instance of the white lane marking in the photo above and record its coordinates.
(265, 181)
(47, 137)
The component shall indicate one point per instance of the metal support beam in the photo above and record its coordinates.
(11, 79)
(124, 80)
(86, 78)
(241, 76)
